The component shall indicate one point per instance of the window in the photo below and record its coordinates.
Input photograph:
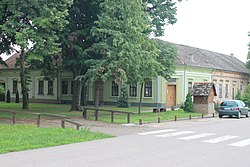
(190, 86)
(226, 91)
(14, 86)
(133, 90)
(64, 87)
(114, 89)
(220, 90)
(50, 88)
(40, 87)
(148, 89)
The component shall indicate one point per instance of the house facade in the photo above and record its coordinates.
(192, 65)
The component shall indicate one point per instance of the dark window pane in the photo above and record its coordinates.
(50, 88)
(40, 87)
(64, 87)
(148, 89)
(133, 90)
(114, 89)
(14, 86)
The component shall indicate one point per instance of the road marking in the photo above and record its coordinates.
(220, 139)
(176, 134)
(196, 136)
(242, 143)
(158, 131)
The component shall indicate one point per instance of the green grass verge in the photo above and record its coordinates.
(145, 117)
(25, 137)
(63, 109)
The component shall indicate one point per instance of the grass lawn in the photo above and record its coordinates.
(63, 109)
(25, 137)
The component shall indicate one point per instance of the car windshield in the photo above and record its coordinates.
(229, 103)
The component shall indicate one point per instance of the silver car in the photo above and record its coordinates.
(233, 108)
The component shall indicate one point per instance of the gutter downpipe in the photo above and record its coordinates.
(156, 93)
(184, 80)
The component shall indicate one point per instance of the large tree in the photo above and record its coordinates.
(123, 43)
(76, 39)
(32, 27)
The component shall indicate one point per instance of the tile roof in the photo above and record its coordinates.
(203, 88)
(192, 56)
(11, 61)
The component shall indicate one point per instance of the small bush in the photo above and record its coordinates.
(17, 97)
(188, 104)
(123, 98)
(8, 96)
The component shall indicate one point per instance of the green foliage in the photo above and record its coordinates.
(188, 104)
(2, 90)
(8, 96)
(161, 12)
(216, 105)
(25, 137)
(166, 57)
(123, 98)
(238, 95)
(17, 97)
(246, 95)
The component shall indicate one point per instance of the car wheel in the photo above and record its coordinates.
(247, 115)
(220, 116)
(239, 115)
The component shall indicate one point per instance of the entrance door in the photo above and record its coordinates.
(171, 95)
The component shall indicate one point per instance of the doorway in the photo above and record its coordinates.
(171, 95)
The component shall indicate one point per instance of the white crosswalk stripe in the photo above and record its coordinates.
(242, 143)
(220, 139)
(175, 134)
(158, 131)
(197, 136)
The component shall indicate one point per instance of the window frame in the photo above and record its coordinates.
(66, 85)
(50, 87)
(14, 86)
(133, 90)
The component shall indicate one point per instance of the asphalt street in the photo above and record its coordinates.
(196, 143)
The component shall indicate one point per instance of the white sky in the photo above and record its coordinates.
(216, 25)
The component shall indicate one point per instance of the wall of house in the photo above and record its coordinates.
(184, 75)
(228, 83)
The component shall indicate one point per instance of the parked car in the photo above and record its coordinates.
(233, 108)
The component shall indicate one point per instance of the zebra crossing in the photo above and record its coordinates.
(192, 135)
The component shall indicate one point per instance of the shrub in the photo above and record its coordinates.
(1, 89)
(17, 96)
(188, 104)
(238, 95)
(123, 98)
(8, 96)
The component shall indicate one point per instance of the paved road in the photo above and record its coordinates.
(208, 142)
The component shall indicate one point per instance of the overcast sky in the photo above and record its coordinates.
(216, 25)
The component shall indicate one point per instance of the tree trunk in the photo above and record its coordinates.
(140, 103)
(84, 95)
(97, 94)
(24, 85)
(76, 97)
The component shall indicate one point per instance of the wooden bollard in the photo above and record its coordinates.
(112, 116)
(189, 116)
(202, 116)
(96, 115)
(38, 120)
(128, 118)
(63, 123)
(175, 118)
(84, 113)
(14, 118)
(159, 120)
(140, 122)
(213, 115)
